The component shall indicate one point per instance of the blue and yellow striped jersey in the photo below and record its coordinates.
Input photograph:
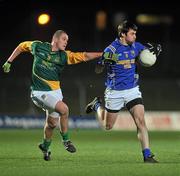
(123, 74)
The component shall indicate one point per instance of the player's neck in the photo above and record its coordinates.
(123, 41)
(54, 49)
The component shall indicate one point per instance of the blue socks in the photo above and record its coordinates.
(96, 106)
(146, 152)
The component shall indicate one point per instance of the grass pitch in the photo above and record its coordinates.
(98, 153)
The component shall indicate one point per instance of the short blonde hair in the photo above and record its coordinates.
(58, 33)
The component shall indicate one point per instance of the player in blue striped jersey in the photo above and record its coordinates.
(122, 88)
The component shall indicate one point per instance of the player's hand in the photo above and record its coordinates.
(110, 58)
(99, 68)
(106, 59)
(6, 67)
(154, 48)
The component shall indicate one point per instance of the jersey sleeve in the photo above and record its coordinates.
(75, 57)
(28, 46)
(25, 46)
(140, 46)
(111, 48)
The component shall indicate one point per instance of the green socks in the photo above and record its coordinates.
(65, 136)
(46, 143)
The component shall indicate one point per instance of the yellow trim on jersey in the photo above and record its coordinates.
(54, 85)
(123, 62)
(25, 46)
(74, 58)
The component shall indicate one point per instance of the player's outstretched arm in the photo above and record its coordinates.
(22, 47)
(77, 57)
(92, 55)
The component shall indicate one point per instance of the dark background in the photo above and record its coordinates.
(160, 84)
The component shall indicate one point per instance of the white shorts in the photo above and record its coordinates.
(47, 100)
(115, 100)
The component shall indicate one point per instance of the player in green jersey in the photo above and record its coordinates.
(49, 61)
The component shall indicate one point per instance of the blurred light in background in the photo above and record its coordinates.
(118, 18)
(148, 19)
(101, 20)
(43, 19)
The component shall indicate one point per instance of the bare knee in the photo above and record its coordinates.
(62, 108)
(137, 113)
(51, 123)
(65, 110)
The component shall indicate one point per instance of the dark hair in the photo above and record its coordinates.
(125, 26)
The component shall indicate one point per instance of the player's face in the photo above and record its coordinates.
(130, 36)
(62, 41)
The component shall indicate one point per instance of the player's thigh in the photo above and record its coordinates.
(134, 103)
(132, 97)
(137, 113)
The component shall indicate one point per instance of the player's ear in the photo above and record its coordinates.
(123, 34)
(55, 39)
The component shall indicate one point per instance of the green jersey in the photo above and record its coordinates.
(48, 64)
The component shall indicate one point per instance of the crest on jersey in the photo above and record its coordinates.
(132, 53)
(126, 55)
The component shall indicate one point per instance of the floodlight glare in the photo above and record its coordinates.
(43, 19)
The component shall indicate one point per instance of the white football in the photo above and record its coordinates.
(147, 58)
